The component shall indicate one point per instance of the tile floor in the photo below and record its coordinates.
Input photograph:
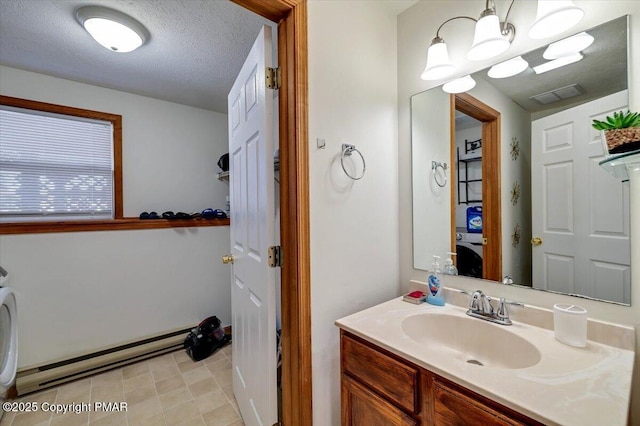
(167, 390)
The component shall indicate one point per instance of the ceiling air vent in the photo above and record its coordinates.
(559, 94)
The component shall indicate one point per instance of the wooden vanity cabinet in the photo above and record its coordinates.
(381, 389)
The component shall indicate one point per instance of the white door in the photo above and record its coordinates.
(252, 232)
(580, 212)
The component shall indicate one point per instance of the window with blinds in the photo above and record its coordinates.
(54, 166)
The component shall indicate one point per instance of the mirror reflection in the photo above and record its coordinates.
(525, 200)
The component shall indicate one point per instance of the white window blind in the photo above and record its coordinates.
(54, 166)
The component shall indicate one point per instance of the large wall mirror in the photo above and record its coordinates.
(506, 175)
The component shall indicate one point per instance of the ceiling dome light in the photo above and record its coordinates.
(112, 29)
(488, 40)
(554, 17)
(459, 85)
(438, 63)
(508, 68)
(568, 46)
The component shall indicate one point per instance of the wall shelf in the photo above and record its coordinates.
(619, 165)
(463, 163)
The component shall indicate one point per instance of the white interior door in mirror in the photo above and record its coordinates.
(580, 212)
(253, 294)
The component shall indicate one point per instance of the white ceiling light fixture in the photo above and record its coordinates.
(491, 38)
(508, 68)
(557, 63)
(554, 17)
(112, 29)
(438, 63)
(459, 85)
(568, 46)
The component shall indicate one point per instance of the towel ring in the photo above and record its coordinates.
(435, 165)
(348, 150)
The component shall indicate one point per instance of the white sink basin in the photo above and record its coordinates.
(472, 340)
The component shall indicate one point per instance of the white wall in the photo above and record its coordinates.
(78, 292)
(416, 28)
(82, 291)
(354, 225)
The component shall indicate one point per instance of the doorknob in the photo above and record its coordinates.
(229, 258)
(536, 241)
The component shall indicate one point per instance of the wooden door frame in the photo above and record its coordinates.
(291, 16)
(491, 196)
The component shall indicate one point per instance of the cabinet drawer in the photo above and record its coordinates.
(454, 408)
(361, 407)
(391, 378)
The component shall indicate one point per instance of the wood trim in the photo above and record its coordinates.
(118, 188)
(491, 195)
(131, 223)
(453, 176)
(291, 16)
(273, 10)
(116, 121)
(492, 229)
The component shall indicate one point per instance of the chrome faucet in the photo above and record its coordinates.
(480, 307)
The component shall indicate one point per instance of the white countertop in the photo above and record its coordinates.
(569, 386)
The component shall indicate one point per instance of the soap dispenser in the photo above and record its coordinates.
(435, 284)
(449, 267)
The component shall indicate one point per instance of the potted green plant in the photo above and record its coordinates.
(620, 132)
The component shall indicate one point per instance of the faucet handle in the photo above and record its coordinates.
(476, 301)
(503, 312)
(487, 308)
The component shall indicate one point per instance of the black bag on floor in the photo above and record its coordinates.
(205, 339)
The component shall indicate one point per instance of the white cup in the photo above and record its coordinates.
(570, 324)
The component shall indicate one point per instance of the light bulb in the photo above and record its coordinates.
(568, 46)
(113, 35)
(459, 85)
(508, 68)
(554, 17)
(487, 40)
(438, 63)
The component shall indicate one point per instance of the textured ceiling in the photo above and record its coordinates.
(602, 71)
(196, 48)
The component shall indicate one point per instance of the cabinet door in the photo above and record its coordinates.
(392, 379)
(454, 408)
(361, 407)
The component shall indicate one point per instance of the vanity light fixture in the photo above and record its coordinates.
(112, 29)
(557, 63)
(554, 17)
(508, 68)
(568, 46)
(459, 85)
(491, 38)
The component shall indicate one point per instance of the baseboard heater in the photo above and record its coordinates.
(33, 379)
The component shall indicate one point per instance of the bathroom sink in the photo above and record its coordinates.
(472, 340)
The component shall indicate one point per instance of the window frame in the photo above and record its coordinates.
(119, 222)
(116, 123)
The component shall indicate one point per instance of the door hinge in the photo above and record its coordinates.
(272, 78)
(275, 256)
